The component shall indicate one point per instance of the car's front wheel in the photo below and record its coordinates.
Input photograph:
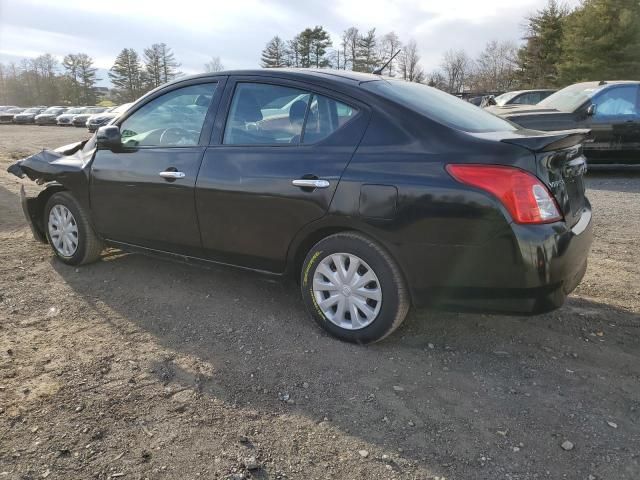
(353, 288)
(69, 231)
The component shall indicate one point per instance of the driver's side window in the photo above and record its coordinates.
(174, 119)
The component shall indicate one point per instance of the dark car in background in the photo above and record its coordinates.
(98, 120)
(611, 110)
(80, 120)
(66, 119)
(28, 115)
(375, 194)
(522, 97)
(7, 115)
(49, 116)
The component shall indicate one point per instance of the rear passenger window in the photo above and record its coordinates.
(325, 117)
(263, 114)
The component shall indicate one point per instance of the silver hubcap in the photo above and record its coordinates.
(347, 291)
(63, 230)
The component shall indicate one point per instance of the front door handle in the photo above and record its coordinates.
(309, 183)
(172, 175)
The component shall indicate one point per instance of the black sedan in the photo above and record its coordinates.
(375, 194)
(28, 115)
(611, 110)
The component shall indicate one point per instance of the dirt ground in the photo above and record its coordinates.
(135, 367)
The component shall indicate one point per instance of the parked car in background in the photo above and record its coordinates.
(66, 119)
(7, 115)
(80, 120)
(611, 110)
(4, 108)
(49, 116)
(96, 121)
(366, 191)
(28, 115)
(522, 97)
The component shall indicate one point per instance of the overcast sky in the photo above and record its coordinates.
(237, 30)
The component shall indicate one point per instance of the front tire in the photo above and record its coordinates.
(353, 288)
(69, 231)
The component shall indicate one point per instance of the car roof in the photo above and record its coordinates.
(330, 75)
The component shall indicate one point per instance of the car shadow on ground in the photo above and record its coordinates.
(445, 388)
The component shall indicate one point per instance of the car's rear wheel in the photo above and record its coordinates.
(69, 231)
(353, 288)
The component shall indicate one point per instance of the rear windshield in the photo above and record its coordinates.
(439, 106)
(570, 98)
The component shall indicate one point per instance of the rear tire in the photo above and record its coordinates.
(353, 288)
(69, 231)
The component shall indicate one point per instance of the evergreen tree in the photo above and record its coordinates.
(160, 65)
(320, 41)
(127, 76)
(87, 77)
(274, 54)
(367, 58)
(602, 42)
(538, 59)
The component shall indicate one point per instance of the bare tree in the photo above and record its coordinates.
(389, 45)
(495, 67)
(456, 67)
(213, 65)
(350, 41)
(437, 80)
(408, 64)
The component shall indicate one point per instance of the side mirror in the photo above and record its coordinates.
(591, 110)
(108, 138)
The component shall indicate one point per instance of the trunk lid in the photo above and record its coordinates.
(560, 165)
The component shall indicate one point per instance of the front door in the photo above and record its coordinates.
(143, 193)
(281, 153)
(615, 126)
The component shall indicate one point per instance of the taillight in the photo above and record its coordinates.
(525, 197)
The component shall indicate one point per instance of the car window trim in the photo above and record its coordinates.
(208, 123)
(309, 88)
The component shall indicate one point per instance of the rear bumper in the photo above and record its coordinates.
(530, 270)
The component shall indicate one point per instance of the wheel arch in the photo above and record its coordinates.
(307, 239)
(36, 206)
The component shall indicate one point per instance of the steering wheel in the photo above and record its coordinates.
(173, 135)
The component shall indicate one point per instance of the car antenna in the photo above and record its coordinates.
(379, 70)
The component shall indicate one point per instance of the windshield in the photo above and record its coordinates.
(32, 110)
(439, 106)
(54, 110)
(96, 110)
(570, 98)
(77, 110)
(504, 98)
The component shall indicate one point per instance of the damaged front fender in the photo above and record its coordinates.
(65, 168)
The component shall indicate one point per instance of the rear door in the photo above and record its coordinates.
(279, 152)
(143, 194)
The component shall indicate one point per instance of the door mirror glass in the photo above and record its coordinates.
(108, 138)
(591, 110)
(174, 119)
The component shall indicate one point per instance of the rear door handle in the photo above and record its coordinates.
(172, 175)
(309, 183)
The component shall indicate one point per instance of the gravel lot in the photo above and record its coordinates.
(137, 368)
